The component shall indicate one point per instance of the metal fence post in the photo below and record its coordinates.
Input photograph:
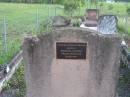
(55, 11)
(4, 35)
(48, 18)
(126, 23)
(37, 20)
(48, 11)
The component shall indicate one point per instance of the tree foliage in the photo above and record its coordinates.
(72, 5)
(128, 11)
(29, 1)
(43, 1)
(56, 1)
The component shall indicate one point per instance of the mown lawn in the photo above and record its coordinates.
(20, 20)
(23, 19)
(114, 8)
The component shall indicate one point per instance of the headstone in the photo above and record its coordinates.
(72, 62)
(107, 24)
(90, 19)
(92, 14)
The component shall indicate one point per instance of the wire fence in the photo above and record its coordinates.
(13, 29)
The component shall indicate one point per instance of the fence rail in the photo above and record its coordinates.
(13, 65)
(13, 29)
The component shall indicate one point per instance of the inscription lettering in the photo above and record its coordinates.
(71, 50)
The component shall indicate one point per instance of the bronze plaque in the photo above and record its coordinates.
(71, 50)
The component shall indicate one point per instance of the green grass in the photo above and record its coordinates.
(114, 8)
(17, 82)
(22, 19)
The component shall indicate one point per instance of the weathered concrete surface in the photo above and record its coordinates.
(97, 76)
(60, 21)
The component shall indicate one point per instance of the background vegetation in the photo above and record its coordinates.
(22, 19)
(54, 1)
(17, 83)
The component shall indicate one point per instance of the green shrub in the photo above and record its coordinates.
(128, 11)
(72, 5)
(101, 4)
(58, 1)
(45, 26)
(110, 7)
(121, 28)
(75, 22)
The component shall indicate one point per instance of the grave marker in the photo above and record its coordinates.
(72, 62)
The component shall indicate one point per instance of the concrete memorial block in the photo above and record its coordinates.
(72, 62)
(60, 21)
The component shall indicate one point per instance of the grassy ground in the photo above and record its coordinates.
(20, 20)
(16, 83)
(114, 8)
